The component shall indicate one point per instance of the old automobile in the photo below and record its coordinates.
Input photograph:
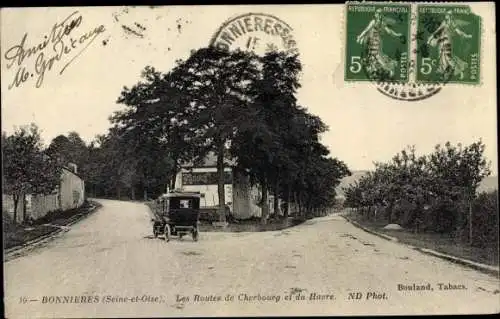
(177, 214)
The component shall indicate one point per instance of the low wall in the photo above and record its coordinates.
(70, 194)
(41, 205)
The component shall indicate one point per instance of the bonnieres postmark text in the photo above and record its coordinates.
(256, 32)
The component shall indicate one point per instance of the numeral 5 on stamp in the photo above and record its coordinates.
(448, 44)
(377, 42)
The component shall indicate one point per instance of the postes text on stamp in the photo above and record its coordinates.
(448, 44)
(377, 42)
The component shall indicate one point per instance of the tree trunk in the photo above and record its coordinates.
(276, 198)
(301, 206)
(118, 192)
(173, 175)
(389, 212)
(16, 201)
(220, 183)
(297, 203)
(132, 192)
(288, 198)
(310, 210)
(173, 180)
(470, 220)
(23, 198)
(145, 194)
(265, 207)
(417, 218)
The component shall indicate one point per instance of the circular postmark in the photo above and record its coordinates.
(408, 91)
(386, 84)
(411, 90)
(257, 32)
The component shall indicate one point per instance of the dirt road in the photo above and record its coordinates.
(108, 265)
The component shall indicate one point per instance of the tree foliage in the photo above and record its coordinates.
(234, 104)
(26, 166)
(426, 192)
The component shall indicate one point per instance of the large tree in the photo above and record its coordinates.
(27, 169)
(262, 145)
(218, 85)
(68, 149)
(153, 137)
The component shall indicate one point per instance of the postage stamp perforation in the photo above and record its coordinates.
(377, 35)
(481, 45)
(482, 52)
(343, 35)
(449, 43)
(443, 45)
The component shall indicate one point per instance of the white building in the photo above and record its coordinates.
(242, 198)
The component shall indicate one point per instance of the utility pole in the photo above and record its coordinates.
(468, 197)
(470, 216)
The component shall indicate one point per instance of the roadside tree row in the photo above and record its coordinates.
(238, 106)
(434, 192)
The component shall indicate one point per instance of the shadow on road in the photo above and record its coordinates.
(153, 237)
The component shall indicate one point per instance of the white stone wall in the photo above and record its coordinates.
(70, 194)
(42, 204)
(72, 190)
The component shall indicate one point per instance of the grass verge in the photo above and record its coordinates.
(443, 243)
(20, 234)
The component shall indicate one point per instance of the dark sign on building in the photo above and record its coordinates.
(204, 178)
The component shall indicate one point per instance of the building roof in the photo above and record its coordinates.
(68, 169)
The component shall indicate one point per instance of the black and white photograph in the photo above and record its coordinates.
(249, 160)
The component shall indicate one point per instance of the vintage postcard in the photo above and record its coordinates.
(250, 160)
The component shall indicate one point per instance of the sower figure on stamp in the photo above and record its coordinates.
(442, 36)
(372, 37)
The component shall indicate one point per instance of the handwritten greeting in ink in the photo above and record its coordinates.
(60, 46)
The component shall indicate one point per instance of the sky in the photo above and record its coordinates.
(118, 42)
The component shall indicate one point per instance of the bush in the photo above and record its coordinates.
(403, 212)
(485, 216)
(442, 216)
